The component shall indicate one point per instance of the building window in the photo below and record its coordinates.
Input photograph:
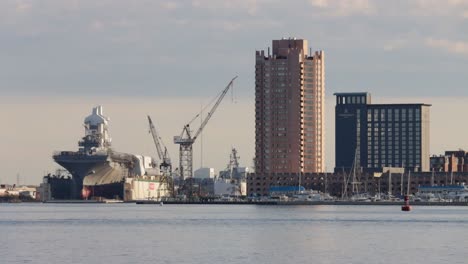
(376, 115)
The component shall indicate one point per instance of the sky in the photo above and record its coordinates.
(167, 58)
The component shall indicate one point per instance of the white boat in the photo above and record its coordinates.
(456, 193)
(361, 197)
(307, 196)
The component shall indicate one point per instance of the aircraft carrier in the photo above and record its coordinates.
(99, 171)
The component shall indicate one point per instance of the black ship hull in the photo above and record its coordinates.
(97, 175)
(107, 191)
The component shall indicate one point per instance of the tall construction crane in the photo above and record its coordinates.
(186, 139)
(163, 155)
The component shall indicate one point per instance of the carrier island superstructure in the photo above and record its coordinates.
(99, 171)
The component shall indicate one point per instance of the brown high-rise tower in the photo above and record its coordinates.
(289, 109)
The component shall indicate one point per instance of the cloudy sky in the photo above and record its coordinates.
(166, 58)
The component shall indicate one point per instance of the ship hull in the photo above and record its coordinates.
(107, 191)
(96, 175)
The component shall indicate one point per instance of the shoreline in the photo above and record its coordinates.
(297, 203)
(261, 203)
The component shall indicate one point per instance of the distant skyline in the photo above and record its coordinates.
(166, 58)
(37, 126)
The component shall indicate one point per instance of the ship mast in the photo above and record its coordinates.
(355, 183)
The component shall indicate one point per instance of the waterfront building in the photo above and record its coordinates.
(451, 161)
(373, 136)
(289, 109)
(334, 184)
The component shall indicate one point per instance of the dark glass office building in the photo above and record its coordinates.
(373, 136)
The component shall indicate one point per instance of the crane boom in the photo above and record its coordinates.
(163, 155)
(155, 139)
(213, 109)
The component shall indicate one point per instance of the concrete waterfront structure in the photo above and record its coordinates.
(289, 109)
(373, 136)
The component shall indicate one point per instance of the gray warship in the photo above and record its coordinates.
(96, 169)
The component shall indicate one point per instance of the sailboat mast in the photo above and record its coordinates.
(389, 183)
(326, 181)
(432, 177)
(401, 185)
(299, 187)
(354, 181)
(344, 192)
(409, 180)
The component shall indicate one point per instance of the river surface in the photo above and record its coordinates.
(129, 233)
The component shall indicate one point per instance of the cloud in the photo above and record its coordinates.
(231, 26)
(465, 14)
(344, 7)
(22, 7)
(125, 41)
(437, 4)
(416, 8)
(440, 8)
(97, 26)
(170, 5)
(250, 6)
(394, 44)
(458, 47)
(319, 3)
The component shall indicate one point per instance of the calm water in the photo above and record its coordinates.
(129, 233)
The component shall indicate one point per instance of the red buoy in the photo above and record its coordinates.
(406, 207)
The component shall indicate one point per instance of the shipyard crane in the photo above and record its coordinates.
(165, 165)
(186, 139)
